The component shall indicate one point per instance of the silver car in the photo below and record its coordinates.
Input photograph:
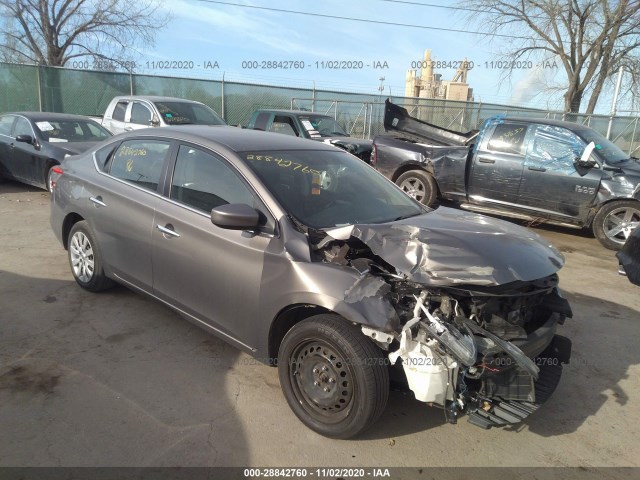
(135, 112)
(305, 257)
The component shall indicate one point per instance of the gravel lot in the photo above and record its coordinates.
(116, 379)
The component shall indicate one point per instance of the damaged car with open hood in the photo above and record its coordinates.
(306, 258)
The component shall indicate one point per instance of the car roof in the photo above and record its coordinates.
(294, 112)
(545, 121)
(154, 98)
(44, 116)
(234, 138)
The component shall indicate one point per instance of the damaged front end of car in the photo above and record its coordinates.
(472, 308)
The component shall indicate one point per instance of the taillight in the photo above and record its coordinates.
(56, 173)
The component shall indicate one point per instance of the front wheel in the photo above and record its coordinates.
(334, 378)
(615, 221)
(420, 185)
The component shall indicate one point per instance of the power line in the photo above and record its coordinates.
(448, 7)
(363, 20)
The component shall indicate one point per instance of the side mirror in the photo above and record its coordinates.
(585, 161)
(155, 122)
(235, 216)
(25, 139)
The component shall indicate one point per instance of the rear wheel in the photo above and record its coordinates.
(85, 259)
(420, 185)
(334, 378)
(615, 221)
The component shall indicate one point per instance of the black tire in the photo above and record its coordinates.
(84, 252)
(613, 216)
(420, 185)
(334, 378)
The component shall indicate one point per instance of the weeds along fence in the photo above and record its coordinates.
(87, 92)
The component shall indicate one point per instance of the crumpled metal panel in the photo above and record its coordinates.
(554, 149)
(450, 247)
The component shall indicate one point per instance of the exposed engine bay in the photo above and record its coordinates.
(465, 341)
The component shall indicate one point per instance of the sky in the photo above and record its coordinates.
(209, 39)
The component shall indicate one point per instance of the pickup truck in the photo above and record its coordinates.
(143, 111)
(534, 169)
(314, 126)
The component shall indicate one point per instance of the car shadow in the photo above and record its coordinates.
(604, 336)
(111, 379)
(12, 186)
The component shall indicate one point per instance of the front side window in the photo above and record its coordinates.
(508, 138)
(554, 148)
(203, 181)
(22, 127)
(140, 114)
(140, 162)
(283, 124)
(261, 121)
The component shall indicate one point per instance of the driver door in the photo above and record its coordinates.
(551, 182)
(211, 273)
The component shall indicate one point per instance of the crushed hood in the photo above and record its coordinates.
(447, 246)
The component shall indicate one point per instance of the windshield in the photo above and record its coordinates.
(71, 131)
(606, 149)
(323, 126)
(187, 113)
(325, 189)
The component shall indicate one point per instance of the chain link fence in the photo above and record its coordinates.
(88, 92)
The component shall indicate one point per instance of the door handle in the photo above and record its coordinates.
(168, 230)
(98, 201)
(537, 169)
(486, 160)
(128, 129)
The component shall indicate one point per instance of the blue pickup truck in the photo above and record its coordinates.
(529, 168)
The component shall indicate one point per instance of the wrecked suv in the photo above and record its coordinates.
(305, 257)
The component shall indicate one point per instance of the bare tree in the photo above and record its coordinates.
(590, 39)
(53, 32)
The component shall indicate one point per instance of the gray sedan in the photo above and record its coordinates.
(305, 257)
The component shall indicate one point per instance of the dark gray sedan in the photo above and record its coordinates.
(303, 256)
(32, 144)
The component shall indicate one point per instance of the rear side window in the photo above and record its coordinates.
(508, 138)
(140, 162)
(119, 111)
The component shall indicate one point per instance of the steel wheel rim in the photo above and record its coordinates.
(81, 254)
(414, 188)
(619, 223)
(322, 381)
